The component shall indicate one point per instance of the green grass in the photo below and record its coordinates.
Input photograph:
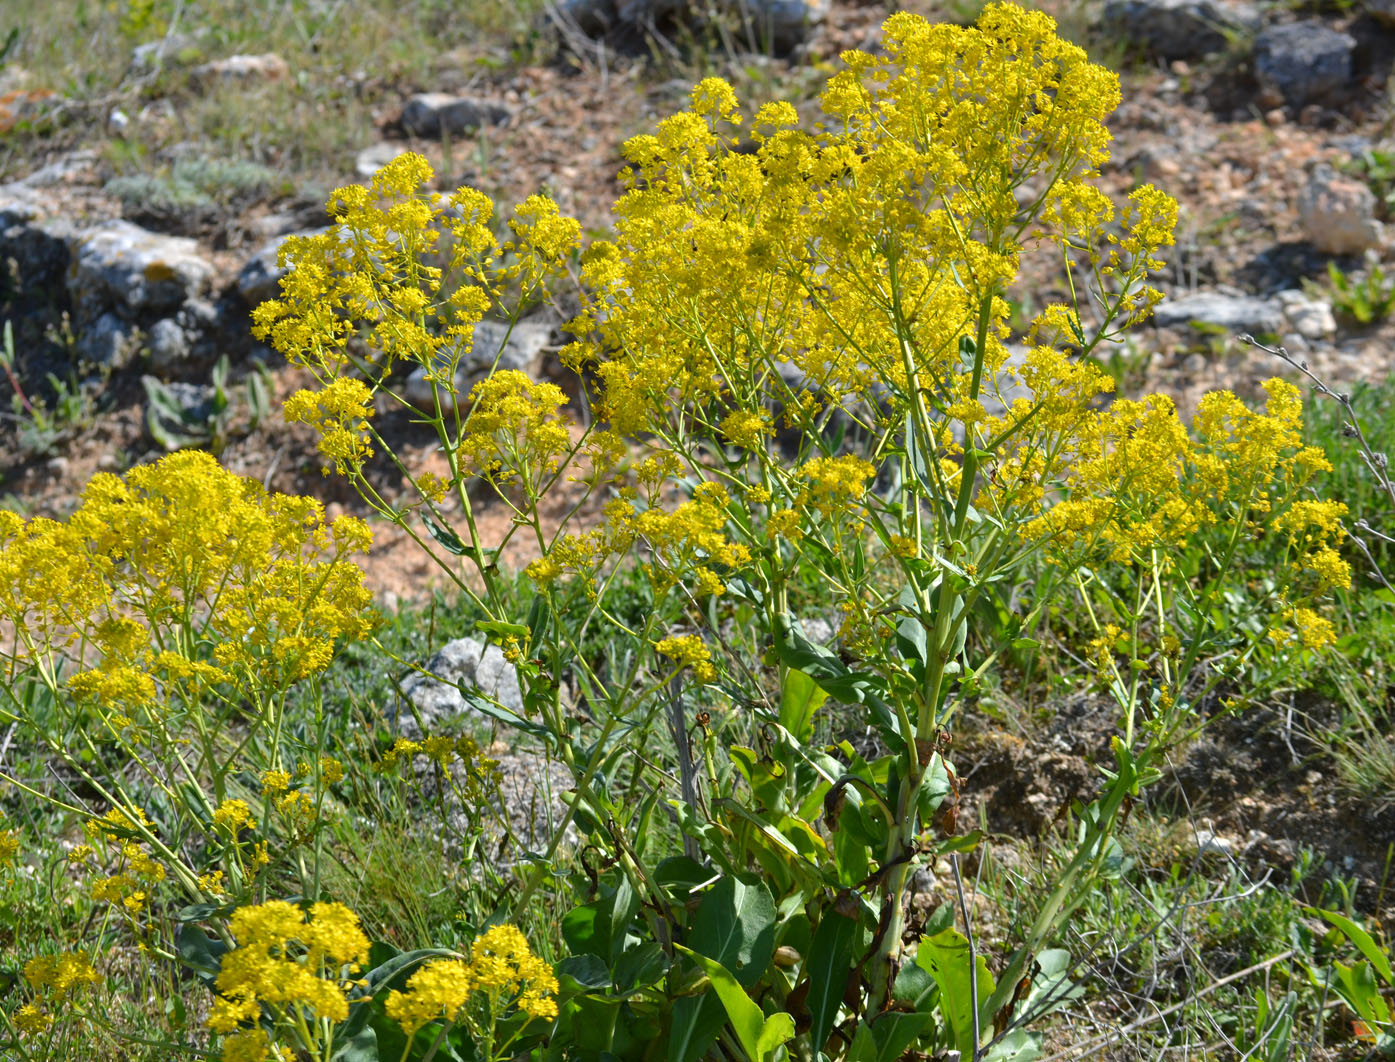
(348, 63)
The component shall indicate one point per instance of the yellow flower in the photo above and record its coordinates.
(438, 990)
(515, 429)
(338, 413)
(501, 968)
(293, 960)
(233, 815)
(31, 1021)
(60, 975)
(688, 651)
(747, 428)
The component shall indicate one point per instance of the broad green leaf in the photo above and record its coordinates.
(446, 537)
(1357, 987)
(830, 962)
(361, 1046)
(895, 1032)
(502, 629)
(735, 925)
(759, 1035)
(391, 968)
(200, 952)
(586, 973)
(1363, 941)
(1017, 1046)
(799, 700)
(694, 1026)
(945, 956)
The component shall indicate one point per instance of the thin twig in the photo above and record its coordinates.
(1100, 1041)
(973, 949)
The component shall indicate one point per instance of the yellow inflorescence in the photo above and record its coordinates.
(183, 543)
(293, 960)
(501, 969)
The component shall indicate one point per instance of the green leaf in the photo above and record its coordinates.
(362, 1046)
(1357, 987)
(485, 706)
(1363, 941)
(829, 964)
(934, 787)
(915, 986)
(759, 1035)
(695, 1024)
(911, 638)
(945, 956)
(446, 537)
(583, 973)
(895, 1031)
(735, 926)
(539, 617)
(800, 698)
(391, 968)
(1017, 1046)
(200, 952)
(502, 629)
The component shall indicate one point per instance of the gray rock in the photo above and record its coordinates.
(592, 17)
(38, 244)
(1306, 62)
(199, 315)
(497, 678)
(149, 56)
(777, 24)
(1211, 843)
(1339, 213)
(168, 344)
(110, 342)
(374, 157)
(122, 266)
(1234, 313)
(432, 114)
(245, 68)
(465, 662)
(1179, 29)
(1309, 317)
(195, 401)
(522, 350)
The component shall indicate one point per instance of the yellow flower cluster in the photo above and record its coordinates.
(413, 272)
(689, 651)
(834, 482)
(1135, 480)
(53, 979)
(183, 545)
(9, 848)
(338, 413)
(514, 430)
(297, 963)
(234, 815)
(479, 774)
(501, 969)
(60, 975)
(860, 253)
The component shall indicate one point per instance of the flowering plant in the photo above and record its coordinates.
(799, 387)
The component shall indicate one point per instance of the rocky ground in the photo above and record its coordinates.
(1269, 123)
